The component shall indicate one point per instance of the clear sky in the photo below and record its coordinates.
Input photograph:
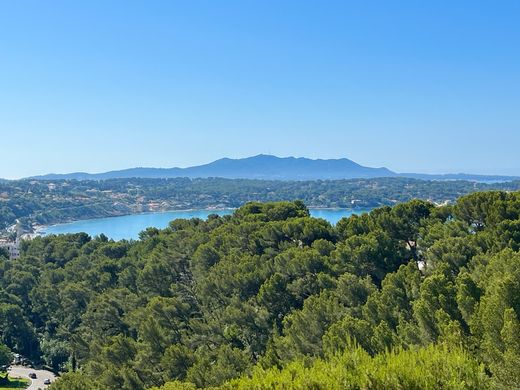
(417, 86)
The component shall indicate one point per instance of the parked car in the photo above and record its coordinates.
(32, 375)
(47, 381)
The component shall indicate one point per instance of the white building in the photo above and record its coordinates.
(12, 247)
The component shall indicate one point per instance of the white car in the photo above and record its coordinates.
(47, 381)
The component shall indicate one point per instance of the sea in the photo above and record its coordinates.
(129, 226)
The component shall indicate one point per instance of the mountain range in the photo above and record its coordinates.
(269, 167)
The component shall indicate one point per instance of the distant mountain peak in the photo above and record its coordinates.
(261, 166)
(269, 167)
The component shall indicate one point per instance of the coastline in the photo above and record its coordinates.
(39, 230)
(40, 227)
(42, 230)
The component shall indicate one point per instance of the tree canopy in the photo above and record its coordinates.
(413, 296)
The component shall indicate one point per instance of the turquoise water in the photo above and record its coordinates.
(334, 215)
(129, 226)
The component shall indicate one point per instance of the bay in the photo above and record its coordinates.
(129, 226)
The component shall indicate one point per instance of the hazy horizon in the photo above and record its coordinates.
(415, 87)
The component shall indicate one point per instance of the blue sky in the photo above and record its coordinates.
(412, 85)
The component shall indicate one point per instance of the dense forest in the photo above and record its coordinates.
(411, 296)
(45, 202)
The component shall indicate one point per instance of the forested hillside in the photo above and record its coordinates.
(410, 297)
(43, 202)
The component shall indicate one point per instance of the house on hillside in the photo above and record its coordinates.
(12, 247)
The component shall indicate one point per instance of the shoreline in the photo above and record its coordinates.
(40, 230)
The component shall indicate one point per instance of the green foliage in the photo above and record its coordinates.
(432, 368)
(415, 296)
(7, 383)
(214, 367)
(175, 385)
(6, 356)
(75, 381)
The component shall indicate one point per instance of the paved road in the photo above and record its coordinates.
(41, 375)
